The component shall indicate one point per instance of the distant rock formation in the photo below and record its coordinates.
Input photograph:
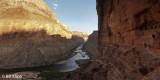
(84, 35)
(91, 45)
(30, 35)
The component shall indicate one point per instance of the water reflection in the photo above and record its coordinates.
(70, 64)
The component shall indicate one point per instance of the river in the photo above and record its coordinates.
(70, 64)
(62, 66)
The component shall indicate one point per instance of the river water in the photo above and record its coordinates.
(62, 66)
(70, 64)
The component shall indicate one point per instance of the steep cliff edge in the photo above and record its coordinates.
(128, 24)
(91, 45)
(128, 42)
(30, 35)
(129, 37)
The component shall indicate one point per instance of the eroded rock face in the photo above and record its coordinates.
(91, 44)
(125, 26)
(129, 24)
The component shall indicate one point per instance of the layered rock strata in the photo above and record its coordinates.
(30, 15)
(84, 35)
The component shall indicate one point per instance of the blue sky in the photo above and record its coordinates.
(79, 15)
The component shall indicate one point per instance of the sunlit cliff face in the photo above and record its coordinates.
(81, 34)
(29, 15)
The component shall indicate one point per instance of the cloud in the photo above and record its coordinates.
(55, 6)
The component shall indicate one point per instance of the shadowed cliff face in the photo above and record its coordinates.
(128, 24)
(128, 42)
(30, 49)
(91, 44)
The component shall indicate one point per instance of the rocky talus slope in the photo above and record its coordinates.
(91, 45)
(128, 42)
(30, 35)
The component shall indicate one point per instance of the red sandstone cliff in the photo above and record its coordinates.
(125, 26)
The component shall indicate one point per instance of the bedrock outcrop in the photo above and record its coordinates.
(128, 42)
(31, 35)
(91, 45)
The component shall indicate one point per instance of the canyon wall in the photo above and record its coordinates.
(32, 49)
(128, 24)
(29, 15)
(129, 38)
(91, 45)
(31, 35)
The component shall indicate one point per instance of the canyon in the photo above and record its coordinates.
(128, 42)
(31, 35)
(128, 39)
